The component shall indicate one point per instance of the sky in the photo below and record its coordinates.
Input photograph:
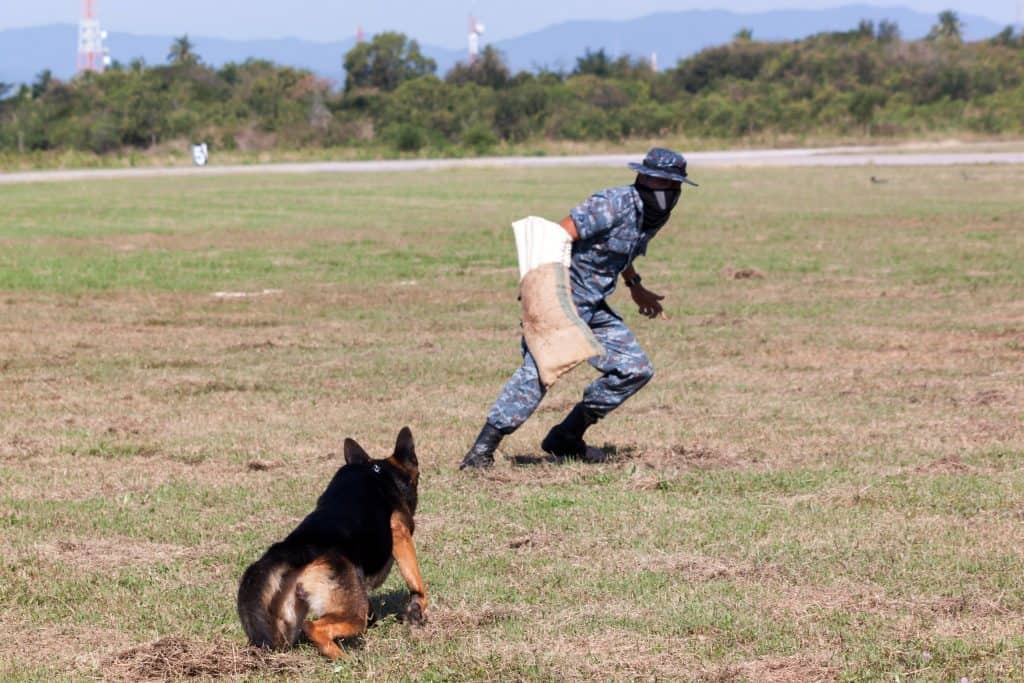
(437, 22)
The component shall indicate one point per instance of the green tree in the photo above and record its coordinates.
(1005, 38)
(385, 62)
(949, 28)
(182, 51)
(42, 83)
(489, 70)
(593, 63)
(744, 35)
(633, 69)
(888, 31)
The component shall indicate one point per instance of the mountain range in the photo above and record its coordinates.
(670, 36)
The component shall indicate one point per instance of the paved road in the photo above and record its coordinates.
(832, 156)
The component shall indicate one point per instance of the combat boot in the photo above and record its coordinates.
(481, 453)
(565, 440)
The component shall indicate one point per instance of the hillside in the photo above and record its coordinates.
(672, 36)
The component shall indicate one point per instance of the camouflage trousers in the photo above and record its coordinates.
(625, 370)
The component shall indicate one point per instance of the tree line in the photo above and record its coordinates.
(868, 81)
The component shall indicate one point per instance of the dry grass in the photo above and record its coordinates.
(176, 658)
(821, 483)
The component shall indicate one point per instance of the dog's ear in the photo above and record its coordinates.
(405, 449)
(354, 453)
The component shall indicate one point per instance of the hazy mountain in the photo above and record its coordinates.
(675, 35)
(26, 52)
(672, 36)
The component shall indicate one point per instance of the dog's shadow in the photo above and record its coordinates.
(389, 604)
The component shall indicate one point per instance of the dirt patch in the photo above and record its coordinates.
(109, 553)
(444, 620)
(949, 464)
(804, 601)
(175, 657)
(533, 541)
(699, 456)
(700, 568)
(18, 447)
(987, 398)
(88, 646)
(741, 273)
(794, 669)
(654, 468)
(1002, 626)
(130, 475)
(721, 319)
(261, 465)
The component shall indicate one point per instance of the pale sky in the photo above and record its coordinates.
(437, 22)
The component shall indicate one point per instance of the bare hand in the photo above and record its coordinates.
(647, 301)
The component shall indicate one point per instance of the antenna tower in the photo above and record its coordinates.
(476, 29)
(360, 36)
(92, 56)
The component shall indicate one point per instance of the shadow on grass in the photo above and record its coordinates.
(390, 604)
(528, 460)
(612, 454)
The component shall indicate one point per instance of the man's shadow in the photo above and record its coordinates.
(612, 453)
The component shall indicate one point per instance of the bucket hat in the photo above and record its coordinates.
(664, 163)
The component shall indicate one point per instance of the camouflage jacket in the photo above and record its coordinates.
(609, 224)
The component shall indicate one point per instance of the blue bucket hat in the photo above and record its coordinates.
(664, 163)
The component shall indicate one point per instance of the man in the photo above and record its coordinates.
(608, 230)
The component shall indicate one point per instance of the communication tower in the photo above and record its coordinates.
(476, 29)
(360, 36)
(92, 56)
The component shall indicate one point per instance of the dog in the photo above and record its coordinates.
(325, 568)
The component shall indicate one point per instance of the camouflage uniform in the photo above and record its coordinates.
(610, 237)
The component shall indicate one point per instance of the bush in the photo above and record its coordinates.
(480, 138)
(406, 137)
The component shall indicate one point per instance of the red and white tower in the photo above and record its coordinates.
(476, 29)
(91, 54)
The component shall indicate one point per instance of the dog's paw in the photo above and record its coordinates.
(416, 612)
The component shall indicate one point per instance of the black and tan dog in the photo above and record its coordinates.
(343, 549)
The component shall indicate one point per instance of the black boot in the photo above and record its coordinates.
(565, 440)
(481, 454)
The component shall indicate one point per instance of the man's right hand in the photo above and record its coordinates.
(647, 301)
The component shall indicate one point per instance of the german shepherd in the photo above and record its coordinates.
(325, 568)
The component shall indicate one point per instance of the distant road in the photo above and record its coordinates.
(831, 156)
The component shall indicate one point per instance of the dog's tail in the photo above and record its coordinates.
(271, 610)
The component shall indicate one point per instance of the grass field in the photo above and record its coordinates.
(822, 482)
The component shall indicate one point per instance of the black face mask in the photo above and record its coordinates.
(658, 204)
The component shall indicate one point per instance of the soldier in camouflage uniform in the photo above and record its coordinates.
(608, 230)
